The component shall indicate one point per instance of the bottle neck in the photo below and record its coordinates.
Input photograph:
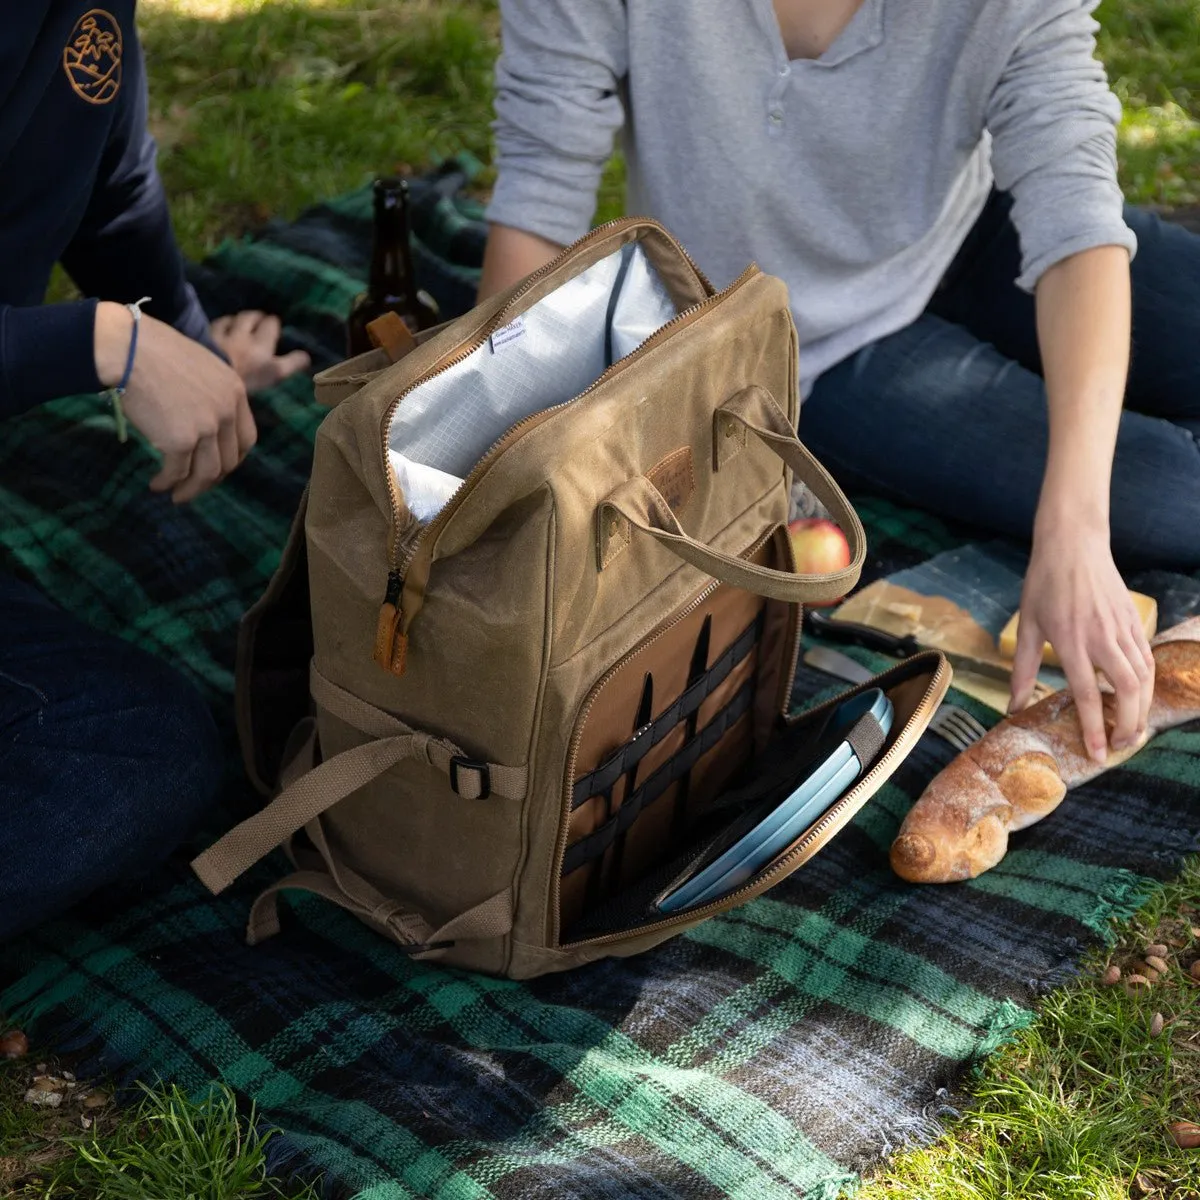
(391, 258)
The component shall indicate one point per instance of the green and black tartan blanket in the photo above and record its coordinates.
(774, 1052)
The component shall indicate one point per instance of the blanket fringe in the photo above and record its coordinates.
(1119, 901)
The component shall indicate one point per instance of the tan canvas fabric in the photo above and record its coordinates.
(467, 672)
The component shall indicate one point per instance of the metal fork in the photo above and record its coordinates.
(950, 722)
(957, 726)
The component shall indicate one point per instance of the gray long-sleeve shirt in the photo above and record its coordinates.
(854, 177)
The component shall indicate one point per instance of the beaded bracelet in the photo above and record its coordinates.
(116, 394)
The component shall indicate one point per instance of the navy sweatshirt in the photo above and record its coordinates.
(80, 187)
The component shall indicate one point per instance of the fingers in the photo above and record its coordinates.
(246, 323)
(235, 436)
(1124, 658)
(176, 466)
(266, 331)
(206, 470)
(247, 431)
(191, 407)
(249, 339)
(1081, 679)
(292, 362)
(1026, 661)
(228, 449)
(1136, 651)
(1115, 664)
(186, 474)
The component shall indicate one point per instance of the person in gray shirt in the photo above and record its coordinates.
(936, 183)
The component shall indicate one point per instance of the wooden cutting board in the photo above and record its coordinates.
(958, 601)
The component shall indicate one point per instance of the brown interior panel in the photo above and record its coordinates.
(712, 648)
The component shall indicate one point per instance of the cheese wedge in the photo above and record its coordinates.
(1146, 606)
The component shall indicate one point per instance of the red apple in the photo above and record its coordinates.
(820, 547)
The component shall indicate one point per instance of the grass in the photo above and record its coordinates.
(164, 1146)
(1078, 1107)
(274, 106)
(1152, 51)
(262, 107)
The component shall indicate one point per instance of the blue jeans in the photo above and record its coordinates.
(949, 414)
(108, 757)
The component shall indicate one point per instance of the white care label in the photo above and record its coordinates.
(509, 333)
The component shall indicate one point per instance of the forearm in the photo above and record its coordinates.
(1074, 597)
(135, 255)
(125, 246)
(1083, 314)
(46, 351)
(512, 254)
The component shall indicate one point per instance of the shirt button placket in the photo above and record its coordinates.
(775, 112)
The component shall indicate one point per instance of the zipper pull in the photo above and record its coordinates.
(391, 646)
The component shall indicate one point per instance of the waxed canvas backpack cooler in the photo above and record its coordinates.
(536, 624)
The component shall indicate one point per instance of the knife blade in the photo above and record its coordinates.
(834, 662)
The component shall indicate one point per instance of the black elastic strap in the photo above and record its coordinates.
(613, 296)
(595, 844)
(866, 739)
(626, 757)
(775, 777)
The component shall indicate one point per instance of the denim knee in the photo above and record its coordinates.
(122, 768)
(108, 768)
(166, 735)
(1155, 509)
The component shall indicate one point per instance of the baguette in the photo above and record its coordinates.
(1022, 769)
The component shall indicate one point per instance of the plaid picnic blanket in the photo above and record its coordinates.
(773, 1052)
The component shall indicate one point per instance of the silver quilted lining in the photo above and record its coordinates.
(547, 356)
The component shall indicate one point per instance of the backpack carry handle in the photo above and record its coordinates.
(639, 505)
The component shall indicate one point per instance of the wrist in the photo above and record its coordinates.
(1070, 514)
(1076, 487)
(113, 330)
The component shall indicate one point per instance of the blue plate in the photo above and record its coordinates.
(788, 820)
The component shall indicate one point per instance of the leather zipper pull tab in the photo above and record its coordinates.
(391, 645)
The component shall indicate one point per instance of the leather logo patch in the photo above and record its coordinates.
(92, 57)
(675, 478)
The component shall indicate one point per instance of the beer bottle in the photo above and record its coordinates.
(392, 286)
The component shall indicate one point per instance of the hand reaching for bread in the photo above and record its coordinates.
(1024, 767)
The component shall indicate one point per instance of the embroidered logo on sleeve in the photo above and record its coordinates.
(92, 57)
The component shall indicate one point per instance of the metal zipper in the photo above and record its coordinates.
(392, 629)
(495, 323)
(523, 426)
(781, 866)
(581, 720)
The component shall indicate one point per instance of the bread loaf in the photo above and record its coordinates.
(1021, 770)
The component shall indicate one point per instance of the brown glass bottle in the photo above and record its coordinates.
(392, 286)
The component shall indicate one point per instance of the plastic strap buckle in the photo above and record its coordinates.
(424, 947)
(460, 762)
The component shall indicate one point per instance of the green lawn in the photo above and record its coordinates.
(262, 108)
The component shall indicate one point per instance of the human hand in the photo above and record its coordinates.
(188, 404)
(1075, 599)
(249, 340)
